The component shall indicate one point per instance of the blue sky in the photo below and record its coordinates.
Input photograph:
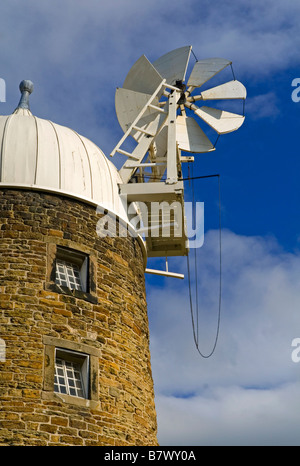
(77, 53)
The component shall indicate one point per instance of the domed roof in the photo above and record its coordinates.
(43, 155)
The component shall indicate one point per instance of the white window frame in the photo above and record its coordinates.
(82, 361)
(69, 257)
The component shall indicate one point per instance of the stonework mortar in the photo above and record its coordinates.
(109, 321)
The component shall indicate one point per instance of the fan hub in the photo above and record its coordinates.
(182, 87)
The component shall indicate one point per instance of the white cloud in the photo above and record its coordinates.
(231, 416)
(263, 106)
(77, 53)
(252, 364)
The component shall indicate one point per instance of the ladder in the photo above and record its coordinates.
(169, 191)
(149, 132)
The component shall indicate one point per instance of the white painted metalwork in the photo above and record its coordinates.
(155, 108)
(172, 173)
(173, 65)
(206, 69)
(38, 154)
(165, 274)
(190, 137)
(222, 122)
(143, 77)
(129, 105)
(229, 90)
(152, 108)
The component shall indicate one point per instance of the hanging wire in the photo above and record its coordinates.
(232, 72)
(216, 140)
(194, 55)
(195, 325)
(189, 178)
(234, 78)
(195, 250)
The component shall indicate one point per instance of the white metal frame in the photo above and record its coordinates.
(74, 368)
(74, 267)
(169, 190)
(135, 158)
(162, 134)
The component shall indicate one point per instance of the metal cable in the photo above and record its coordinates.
(232, 72)
(195, 249)
(195, 330)
(194, 55)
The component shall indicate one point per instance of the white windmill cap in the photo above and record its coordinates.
(41, 155)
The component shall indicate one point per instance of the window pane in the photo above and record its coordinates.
(68, 274)
(68, 377)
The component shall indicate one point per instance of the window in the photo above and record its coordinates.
(68, 274)
(72, 272)
(71, 373)
(71, 269)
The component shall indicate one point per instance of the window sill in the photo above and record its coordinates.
(48, 392)
(77, 401)
(91, 298)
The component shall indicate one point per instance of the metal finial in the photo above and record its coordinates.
(26, 88)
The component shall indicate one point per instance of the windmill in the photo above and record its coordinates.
(156, 108)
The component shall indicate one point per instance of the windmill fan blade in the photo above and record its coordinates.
(221, 121)
(206, 69)
(229, 90)
(190, 136)
(129, 104)
(161, 142)
(172, 66)
(142, 77)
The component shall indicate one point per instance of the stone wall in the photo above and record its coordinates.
(109, 322)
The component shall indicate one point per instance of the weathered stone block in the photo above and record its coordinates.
(111, 320)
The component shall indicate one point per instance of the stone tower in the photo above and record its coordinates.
(74, 362)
